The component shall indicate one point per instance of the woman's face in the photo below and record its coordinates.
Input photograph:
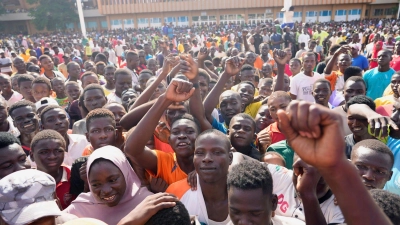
(107, 182)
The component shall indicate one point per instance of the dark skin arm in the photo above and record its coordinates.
(310, 130)
(280, 59)
(201, 57)
(135, 147)
(244, 37)
(232, 67)
(333, 60)
(133, 117)
(189, 68)
(307, 181)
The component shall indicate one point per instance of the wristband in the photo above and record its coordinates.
(196, 85)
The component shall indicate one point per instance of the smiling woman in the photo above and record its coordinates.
(114, 187)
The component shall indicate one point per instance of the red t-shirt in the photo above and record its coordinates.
(275, 134)
(395, 63)
(62, 188)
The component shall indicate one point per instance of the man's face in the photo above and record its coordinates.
(230, 105)
(250, 58)
(395, 83)
(94, 99)
(344, 61)
(266, 89)
(25, 89)
(90, 79)
(133, 62)
(204, 88)
(247, 75)
(72, 91)
(48, 154)
(212, 50)
(373, 167)
(175, 110)
(101, 132)
(19, 64)
(250, 206)
(25, 119)
(47, 64)
(308, 63)
(152, 65)
(276, 103)
(264, 50)
(109, 75)
(118, 111)
(246, 92)
(384, 58)
(266, 70)
(122, 82)
(263, 118)
(241, 132)
(358, 125)
(183, 136)
(74, 71)
(143, 78)
(5, 84)
(12, 159)
(56, 119)
(211, 158)
(352, 89)
(322, 93)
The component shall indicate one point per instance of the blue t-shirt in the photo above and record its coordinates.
(377, 82)
(219, 126)
(276, 37)
(360, 61)
(393, 185)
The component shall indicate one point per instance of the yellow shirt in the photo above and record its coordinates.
(388, 91)
(252, 109)
(63, 69)
(181, 48)
(25, 57)
(385, 100)
(88, 50)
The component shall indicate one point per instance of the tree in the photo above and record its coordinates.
(52, 14)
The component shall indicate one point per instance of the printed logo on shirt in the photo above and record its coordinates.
(284, 205)
(307, 90)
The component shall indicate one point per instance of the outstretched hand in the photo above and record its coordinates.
(233, 65)
(314, 133)
(189, 67)
(203, 53)
(280, 57)
(179, 90)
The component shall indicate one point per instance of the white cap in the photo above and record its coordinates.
(45, 102)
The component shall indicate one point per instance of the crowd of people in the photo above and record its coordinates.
(223, 124)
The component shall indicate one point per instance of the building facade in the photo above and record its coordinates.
(124, 14)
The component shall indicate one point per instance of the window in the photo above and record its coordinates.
(311, 14)
(115, 22)
(390, 11)
(240, 17)
(195, 18)
(340, 12)
(128, 21)
(298, 14)
(183, 19)
(104, 24)
(280, 15)
(169, 19)
(155, 20)
(325, 13)
(212, 18)
(204, 18)
(355, 12)
(366, 12)
(143, 21)
(252, 16)
(378, 12)
(232, 17)
(92, 24)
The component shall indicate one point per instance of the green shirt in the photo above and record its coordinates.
(284, 150)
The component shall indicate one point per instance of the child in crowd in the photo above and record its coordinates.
(25, 86)
(58, 85)
(322, 92)
(123, 81)
(41, 88)
(109, 72)
(73, 92)
(89, 78)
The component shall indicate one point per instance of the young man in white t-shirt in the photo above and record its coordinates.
(301, 85)
(5, 63)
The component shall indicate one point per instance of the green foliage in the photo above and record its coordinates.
(53, 14)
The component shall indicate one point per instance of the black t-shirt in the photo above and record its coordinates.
(258, 39)
(77, 184)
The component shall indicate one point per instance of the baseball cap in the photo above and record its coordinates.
(45, 102)
(355, 46)
(27, 195)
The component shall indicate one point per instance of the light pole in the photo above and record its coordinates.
(81, 19)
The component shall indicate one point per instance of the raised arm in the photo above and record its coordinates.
(135, 147)
(333, 60)
(133, 117)
(169, 61)
(280, 60)
(201, 57)
(232, 67)
(315, 134)
(245, 43)
(191, 71)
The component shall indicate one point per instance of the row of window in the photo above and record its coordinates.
(386, 12)
(340, 12)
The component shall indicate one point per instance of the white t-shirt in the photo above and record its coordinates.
(113, 98)
(220, 54)
(302, 86)
(4, 61)
(304, 38)
(290, 205)
(15, 97)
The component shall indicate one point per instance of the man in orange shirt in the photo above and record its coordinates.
(343, 60)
